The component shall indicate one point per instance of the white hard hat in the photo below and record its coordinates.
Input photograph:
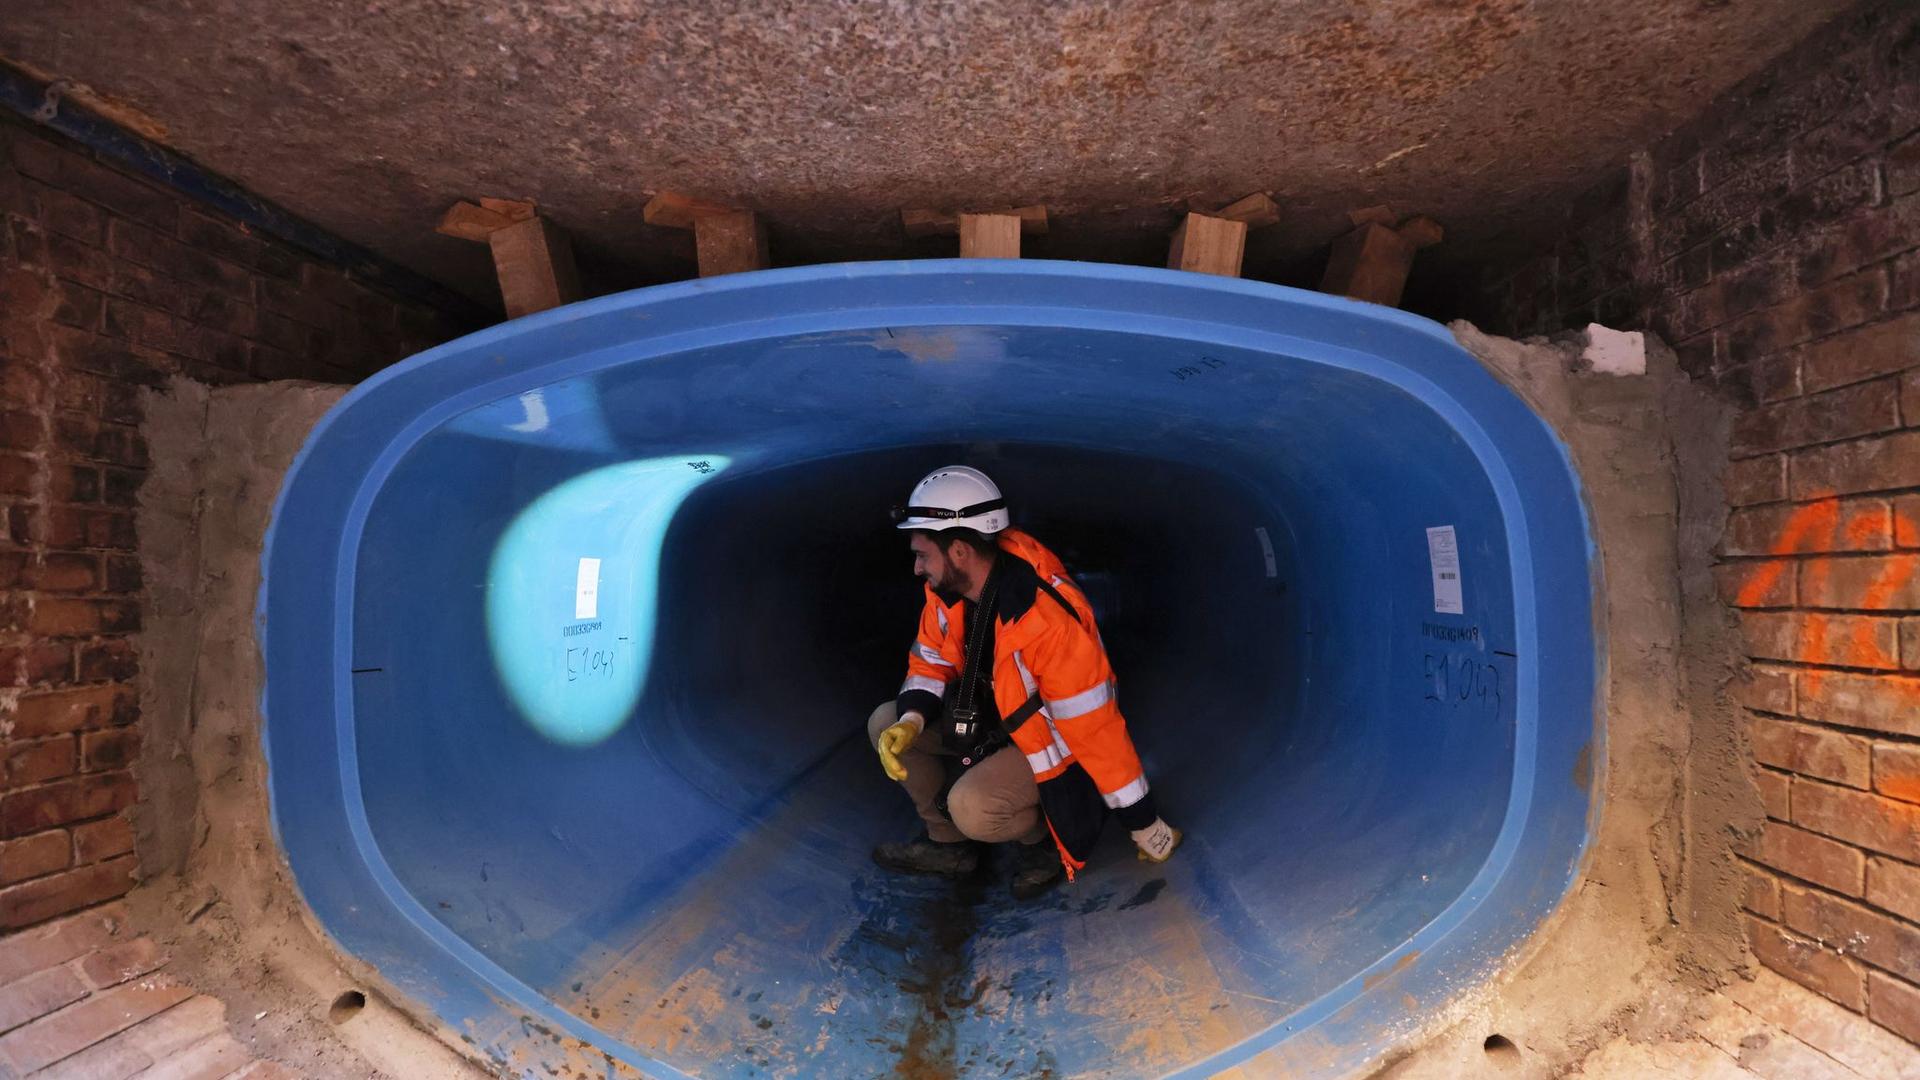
(954, 497)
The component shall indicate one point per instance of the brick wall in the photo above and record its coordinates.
(1773, 242)
(109, 284)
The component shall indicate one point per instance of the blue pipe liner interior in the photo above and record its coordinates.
(573, 625)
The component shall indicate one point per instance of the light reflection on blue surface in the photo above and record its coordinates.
(573, 594)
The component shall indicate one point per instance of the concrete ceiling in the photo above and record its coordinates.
(370, 118)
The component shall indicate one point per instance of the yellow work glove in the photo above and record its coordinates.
(895, 740)
(1157, 841)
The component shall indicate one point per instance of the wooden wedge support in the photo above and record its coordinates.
(918, 223)
(1371, 262)
(1257, 210)
(534, 262)
(532, 259)
(730, 243)
(726, 239)
(989, 236)
(1208, 245)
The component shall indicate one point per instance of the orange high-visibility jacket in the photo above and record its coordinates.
(1054, 689)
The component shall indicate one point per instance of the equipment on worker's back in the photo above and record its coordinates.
(954, 497)
(895, 741)
(1157, 841)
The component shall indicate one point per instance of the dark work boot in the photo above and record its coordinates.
(923, 855)
(1036, 869)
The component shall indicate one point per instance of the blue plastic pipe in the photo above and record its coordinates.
(573, 626)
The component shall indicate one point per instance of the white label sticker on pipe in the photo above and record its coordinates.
(586, 590)
(1443, 553)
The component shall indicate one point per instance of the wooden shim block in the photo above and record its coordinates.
(470, 222)
(679, 211)
(1377, 215)
(929, 222)
(730, 243)
(989, 236)
(534, 262)
(1421, 231)
(1208, 245)
(1257, 210)
(1033, 219)
(1369, 263)
(511, 209)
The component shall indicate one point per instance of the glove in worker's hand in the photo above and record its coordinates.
(895, 741)
(1157, 841)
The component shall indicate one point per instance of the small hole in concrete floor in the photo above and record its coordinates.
(1501, 1050)
(346, 1007)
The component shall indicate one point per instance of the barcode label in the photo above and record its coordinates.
(1443, 555)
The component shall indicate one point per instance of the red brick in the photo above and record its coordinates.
(58, 711)
(1870, 583)
(114, 748)
(1766, 688)
(48, 663)
(69, 215)
(51, 1038)
(216, 237)
(20, 430)
(1774, 793)
(58, 572)
(1894, 1005)
(1885, 825)
(1896, 771)
(24, 953)
(57, 894)
(1823, 971)
(1849, 412)
(1811, 751)
(1814, 313)
(1889, 703)
(58, 616)
(109, 661)
(1874, 464)
(72, 527)
(1864, 524)
(39, 761)
(1910, 644)
(32, 856)
(1762, 895)
(1811, 858)
(74, 799)
(1894, 886)
(123, 574)
(1867, 641)
(179, 262)
(1858, 931)
(1750, 584)
(18, 474)
(116, 964)
(79, 263)
(1878, 349)
(103, 839)
(79, 306)
(37, 995)
(75, 484)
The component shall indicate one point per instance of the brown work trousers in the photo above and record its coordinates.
(994, 801)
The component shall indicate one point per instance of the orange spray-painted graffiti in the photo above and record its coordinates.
(1820, 527)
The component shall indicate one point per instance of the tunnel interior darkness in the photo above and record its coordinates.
(573, 627)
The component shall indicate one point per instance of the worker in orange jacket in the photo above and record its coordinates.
(1007, 727)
